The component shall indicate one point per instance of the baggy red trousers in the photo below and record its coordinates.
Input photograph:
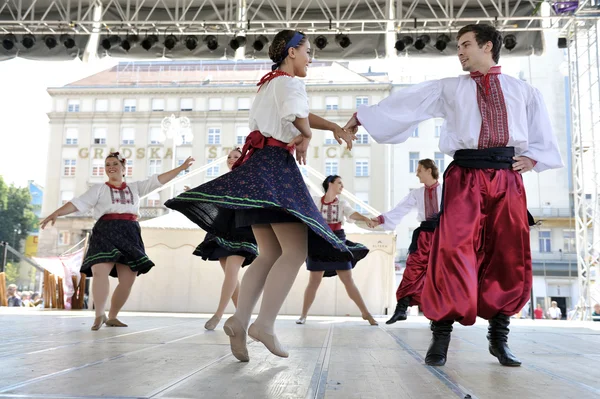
(480, 261)
(413, 278)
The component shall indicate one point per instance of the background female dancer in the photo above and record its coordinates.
(334, 211)
(231, 255)
(265, 196)
(115, 247)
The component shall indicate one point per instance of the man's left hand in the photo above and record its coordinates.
(523, 164)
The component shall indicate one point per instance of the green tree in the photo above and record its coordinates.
(12, 271)
(16, 216)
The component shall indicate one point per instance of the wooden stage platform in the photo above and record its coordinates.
(53, 354)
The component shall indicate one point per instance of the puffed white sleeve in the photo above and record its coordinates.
(392, 218)
(347, 210)
(87, 200)
(147, 186)
(542, 146)
(292, 100)
(394, 119)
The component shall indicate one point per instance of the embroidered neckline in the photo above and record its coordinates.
(328, 203)
(121, 187)
(495, 70)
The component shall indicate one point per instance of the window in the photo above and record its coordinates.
(212, 171)
(71, 136)
(153, 200)
(438, 127)
(545, 241)
(154, 167)
(158, 104)
(156, 135)
(128, 136)
(569, 241)
(362, 101)
(186, 139)
(129, 168)
(129, 105)
(97, 167)
(99, 136)
(64, 237)
(69, 167)
(364, 197)
(102, 105)
(331, 103)
(303, 170)
(215, 104)
(413, 162)
(214, 135)
(415, 132)
(331, 167)
(187, 104)
(73, 106)
(362, 137)
(241, 132)
(440, 161)
(184, 172)
(361, 167)
(65, 196)
(329, 139)
(243, 104)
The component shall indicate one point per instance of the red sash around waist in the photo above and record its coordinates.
(256, 141)
(119, 216)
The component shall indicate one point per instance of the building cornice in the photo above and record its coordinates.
(199, 89)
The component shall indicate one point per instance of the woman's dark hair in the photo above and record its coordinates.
(277, 51)
(238, 149)
(484, 33)
(328, 180)
(429, 164)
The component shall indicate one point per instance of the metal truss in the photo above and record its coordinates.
(229, 17)
(584, 70)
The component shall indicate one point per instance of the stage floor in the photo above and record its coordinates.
(53, 354)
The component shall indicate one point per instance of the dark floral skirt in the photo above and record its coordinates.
(116, 241)
(215, 248)
(315, 264)
(267, 188)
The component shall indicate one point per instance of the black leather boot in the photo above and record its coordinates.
(400, 312)
(440, 340)
(498, 338)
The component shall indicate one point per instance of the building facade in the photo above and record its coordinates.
(122, 109)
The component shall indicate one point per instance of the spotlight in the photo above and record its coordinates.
(442, 42)
(237, 42)
(342, 40)
(510, 42)
(67, 41)
(170, 42)
(191, 42)
(562, 42)
(321, 42)
(28, 41)
(402, 43)
(9, 41)
(129, 42)
(422, 41)
(149, 42)
(211, 42)
(50, 41)
(110, 41)
(260, 43)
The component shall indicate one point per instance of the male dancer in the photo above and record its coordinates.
(496, 127)
(427, 201)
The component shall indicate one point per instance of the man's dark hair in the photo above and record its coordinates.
(429, 164)
(484, 33)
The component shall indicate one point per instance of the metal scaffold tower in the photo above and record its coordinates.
(584, 71)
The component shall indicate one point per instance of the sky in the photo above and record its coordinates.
(24, 101)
